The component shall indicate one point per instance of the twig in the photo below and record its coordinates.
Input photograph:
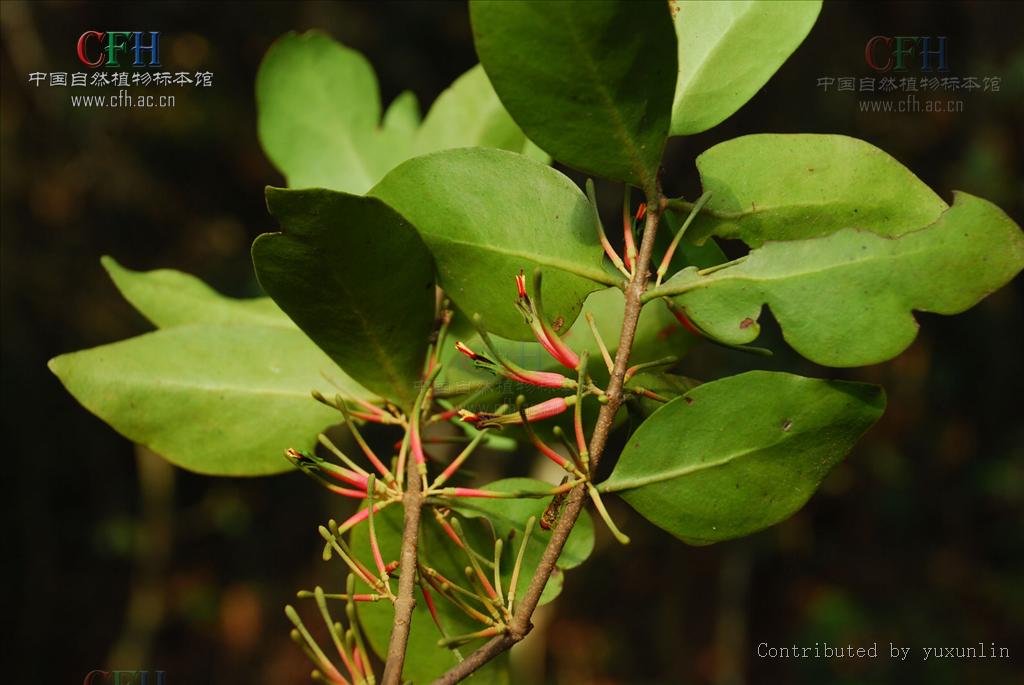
(520, 625)
(412, 502)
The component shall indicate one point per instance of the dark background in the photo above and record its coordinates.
(116, 560)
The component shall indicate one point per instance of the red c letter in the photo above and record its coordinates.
(869, 50)
(90, 674)
(81, 50)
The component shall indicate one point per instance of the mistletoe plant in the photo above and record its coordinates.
(441, 289)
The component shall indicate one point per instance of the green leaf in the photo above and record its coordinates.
(486, 214)
(847, 299)
(216, 399)
(728, 51)
(320, 117)
(469, 114)
(354, 276)
(788, 187)
(172, 298)
(740, 454)
(169, 298)
(319, 111)
(590, 83)
(403, 117)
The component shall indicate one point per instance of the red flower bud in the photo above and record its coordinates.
(537, 412)
(543, 379)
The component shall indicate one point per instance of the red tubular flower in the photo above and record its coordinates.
(472, 492)
(346, 476)
(318, 468)
(365, 597)
(374, 418)
(415, 443)
(447, 414)
(537, 412)
(555, 347)
(543, 379)
(549, 408)
(534, 314)
(346, 492)
(641, 211)
(629, 245)
(357, 518)
(429, 599)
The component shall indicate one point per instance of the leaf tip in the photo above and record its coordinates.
(55, 365)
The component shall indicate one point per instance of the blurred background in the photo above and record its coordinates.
(116, 560)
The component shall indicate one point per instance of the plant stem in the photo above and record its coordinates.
(520, 625)
(412, 502)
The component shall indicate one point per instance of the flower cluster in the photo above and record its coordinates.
(484, 594)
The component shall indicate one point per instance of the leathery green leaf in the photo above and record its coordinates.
(737, 455)
(728, 51)
(486, 214)
(847, 299)
(356, 277)
(469, 114)
(217, 399)
(591, 83)
(171, 298)
(791, 186)
(320, 115)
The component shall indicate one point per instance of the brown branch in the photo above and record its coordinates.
(521, 625)
(412, 502)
